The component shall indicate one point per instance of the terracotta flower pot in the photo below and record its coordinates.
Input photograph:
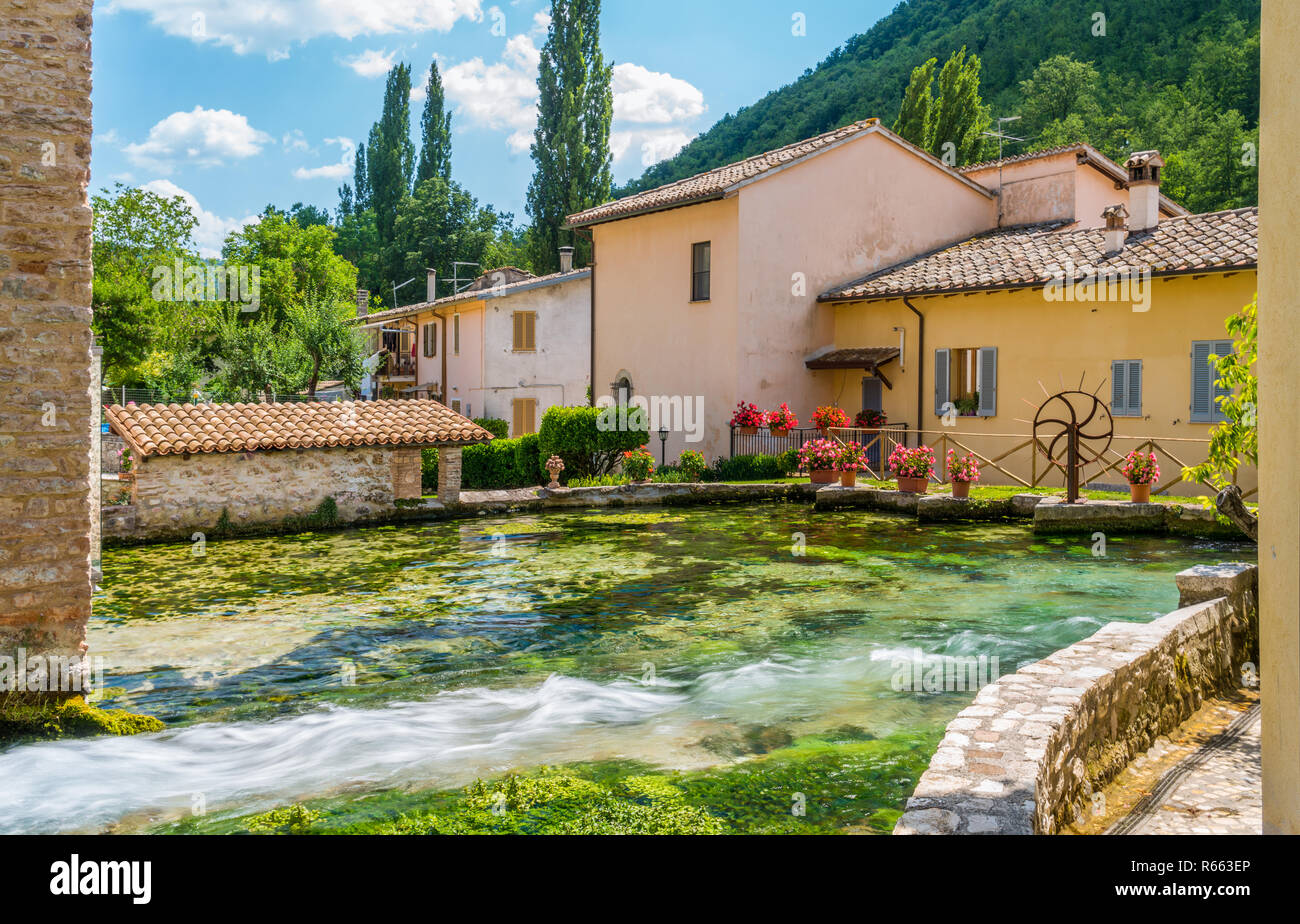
(779, 432)
(822, 475)
(961, 489)
(913, 485)
(747, 431)
(848, 479)
(1139, 493)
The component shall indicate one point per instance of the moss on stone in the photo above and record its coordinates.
(70, 718)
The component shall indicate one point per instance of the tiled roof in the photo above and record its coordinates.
(169, 429)
(482, 291)
(854, 358)
(713, 183)
(1036, 255)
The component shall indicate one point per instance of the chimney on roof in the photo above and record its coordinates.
(1144, 189)
(363, 302)
(1115, 216)
(431, 286)
(566, 259)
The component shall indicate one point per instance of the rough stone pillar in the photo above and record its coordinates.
(45, 379)
(96, 463)
(448, 475)
(406, 474)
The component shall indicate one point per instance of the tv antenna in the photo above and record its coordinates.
(1002, 136)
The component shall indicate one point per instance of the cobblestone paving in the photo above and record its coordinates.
(1203, 779)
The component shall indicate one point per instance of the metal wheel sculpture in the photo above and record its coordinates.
(1075, 430)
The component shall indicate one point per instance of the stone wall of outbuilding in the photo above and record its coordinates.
(177, 493)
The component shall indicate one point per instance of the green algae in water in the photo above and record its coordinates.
(688, 646)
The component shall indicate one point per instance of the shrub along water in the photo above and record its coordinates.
(494, 466)
(588, 439)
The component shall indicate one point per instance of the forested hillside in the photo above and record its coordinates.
(1178, 75)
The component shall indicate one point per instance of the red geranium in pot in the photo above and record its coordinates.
(826, 418)
(818, 458)
(747, 418)
(912, 467)
(870, 420)
(782, 421)
(1141, 470)
(852, 457)
(962, 470)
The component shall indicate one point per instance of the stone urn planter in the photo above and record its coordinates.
(849, 479)
(822, 475)
(554, 465)
(913, 485)
(1139, 493)
(961, 490)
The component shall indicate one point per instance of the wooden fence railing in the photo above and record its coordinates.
(1035, 469)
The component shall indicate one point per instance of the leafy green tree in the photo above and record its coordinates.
(361, 179)
(571, 143)
(959, 115)
(915, 116)
(321, 331)
(435, 131)
(443, 223)
(390, 155)
(293, 261)
(135, 231)
(253, 361)
(1060, 86)
(1236, 439)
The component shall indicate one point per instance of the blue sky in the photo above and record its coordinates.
(240, 103)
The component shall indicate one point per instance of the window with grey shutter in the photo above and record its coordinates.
(987, 381)
(940, 381)
(1205, 385)
(1126, 388)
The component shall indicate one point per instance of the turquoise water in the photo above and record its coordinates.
(341, 665)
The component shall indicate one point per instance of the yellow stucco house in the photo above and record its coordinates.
(856, 269)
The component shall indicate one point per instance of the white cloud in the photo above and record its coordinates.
(271, 27)
(202, 137)
(212, 229)
(372, 63)
(642, 95)
(500, 96)
(654, 144)
(337, 171)
(295, 140)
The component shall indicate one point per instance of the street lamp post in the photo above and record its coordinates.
(663, 445)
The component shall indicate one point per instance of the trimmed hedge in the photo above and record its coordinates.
(494, 425)
(492, 466)
(754, 467)
(576, 436)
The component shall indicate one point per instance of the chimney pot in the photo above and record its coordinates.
(1144, 188)
(431, 286)
(566, 259)
(363, 302)
(1115, 216)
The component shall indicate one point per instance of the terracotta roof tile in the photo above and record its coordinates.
(1035, 255)
(713, 183)
(169, 429)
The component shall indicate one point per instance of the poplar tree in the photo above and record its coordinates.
(435, 131)
(959, 116)
(391, 154)
(571, 143)
(361, 180)
(915, 116)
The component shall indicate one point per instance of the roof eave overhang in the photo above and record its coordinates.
(1034, 284)
(648, 210)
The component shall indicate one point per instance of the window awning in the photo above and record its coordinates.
(867, 358)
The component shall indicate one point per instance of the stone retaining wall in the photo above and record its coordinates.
(1048, 514)
(1027, 754)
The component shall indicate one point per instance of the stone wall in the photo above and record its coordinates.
(45, 273)
(175, 494)
(1026, 756)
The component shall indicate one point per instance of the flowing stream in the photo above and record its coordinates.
(423, 657)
